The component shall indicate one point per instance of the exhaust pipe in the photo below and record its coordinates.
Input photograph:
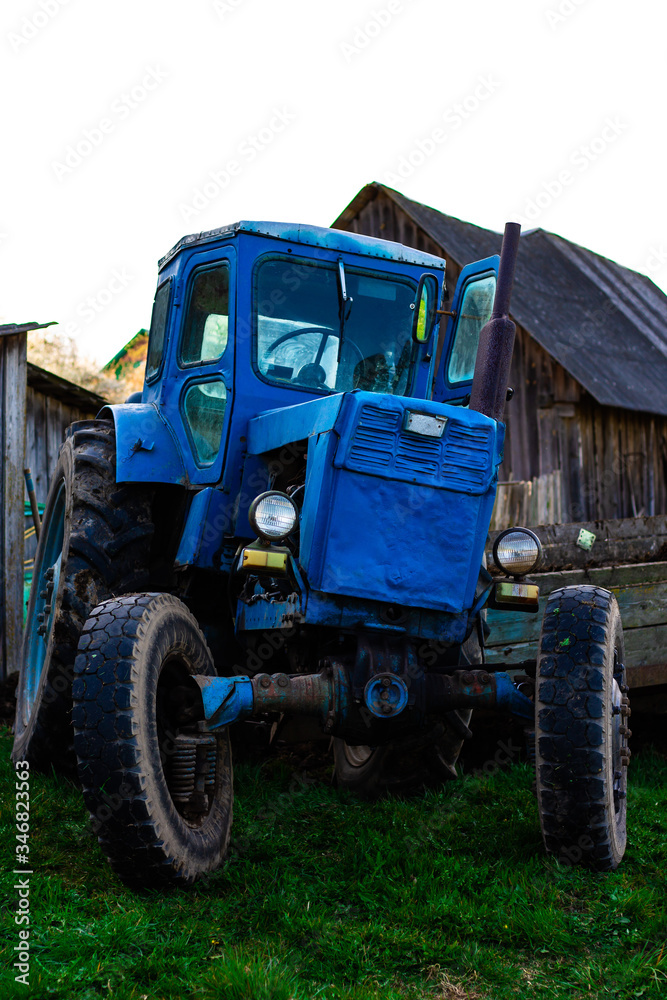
(496, 341)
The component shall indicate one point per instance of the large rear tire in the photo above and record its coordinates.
(159, 791)
(95, 542)
(581, 728)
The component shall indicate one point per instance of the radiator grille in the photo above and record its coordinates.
(461, 459)
(374, 440)
(466, 457)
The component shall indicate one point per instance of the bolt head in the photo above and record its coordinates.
(265, 681)
(386, 709)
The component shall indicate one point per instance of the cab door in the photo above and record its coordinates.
(471, 309)
(200, 390)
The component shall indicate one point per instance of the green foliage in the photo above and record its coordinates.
(448, 896)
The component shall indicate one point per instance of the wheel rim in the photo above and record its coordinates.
(189, 759)
(619, 743)
(357, 756)
(44, 604)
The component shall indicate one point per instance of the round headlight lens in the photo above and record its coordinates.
(273, 516)
(517, 551)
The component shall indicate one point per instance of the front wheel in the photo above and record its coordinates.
(159, 791)
(581, 728)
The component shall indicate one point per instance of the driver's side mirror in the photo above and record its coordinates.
(425, 306)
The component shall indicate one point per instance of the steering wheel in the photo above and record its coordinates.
(327, 332)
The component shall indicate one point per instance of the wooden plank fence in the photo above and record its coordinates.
(535, 501)
(12, 442)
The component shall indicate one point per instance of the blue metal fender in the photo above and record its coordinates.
(146, 447)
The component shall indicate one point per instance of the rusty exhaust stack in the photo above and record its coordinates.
(496, 341)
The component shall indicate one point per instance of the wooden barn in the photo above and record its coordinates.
(36, 407)
(587, 427)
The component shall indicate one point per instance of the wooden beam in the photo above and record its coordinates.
(12, 443)
(617, 542)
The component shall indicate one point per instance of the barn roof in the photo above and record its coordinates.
(605, 324)
(49, 384)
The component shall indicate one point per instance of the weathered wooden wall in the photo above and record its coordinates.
(36, 407)
(12, 444)
(52, 404)
(47, 419)
(612, 463)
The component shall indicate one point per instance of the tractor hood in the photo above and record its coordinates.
(398, 495)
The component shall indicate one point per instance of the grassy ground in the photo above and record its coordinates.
(447, 896)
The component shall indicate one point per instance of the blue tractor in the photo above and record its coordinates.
(288, 525)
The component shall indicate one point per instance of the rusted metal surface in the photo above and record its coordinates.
(496, 342)
(310, 694)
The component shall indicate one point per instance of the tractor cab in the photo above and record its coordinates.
(261, 316)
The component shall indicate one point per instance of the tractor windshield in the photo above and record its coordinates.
(308, 334)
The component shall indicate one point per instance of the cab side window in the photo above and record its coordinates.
(204, 407)
(474, 312)
(157, 337)
(206, 328)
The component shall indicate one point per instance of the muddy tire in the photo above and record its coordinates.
(581, 729)
(159, 792)
(95, 542)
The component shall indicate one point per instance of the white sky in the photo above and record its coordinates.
(340, 92)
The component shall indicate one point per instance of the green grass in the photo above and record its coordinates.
(447, 897)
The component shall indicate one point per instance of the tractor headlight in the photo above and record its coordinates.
(273, 516)
(517, 551)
